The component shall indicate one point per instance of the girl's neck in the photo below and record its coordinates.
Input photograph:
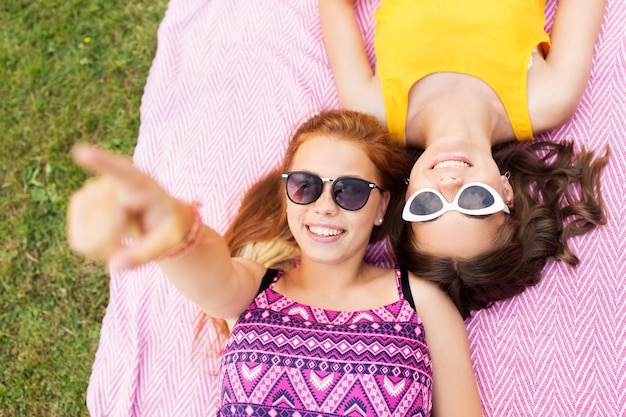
(311, 275)
(349, 287)
(444, 105)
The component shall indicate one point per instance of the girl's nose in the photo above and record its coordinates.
(449, 186)
(326, 204)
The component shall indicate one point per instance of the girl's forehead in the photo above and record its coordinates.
(333, 157)
(340, 148)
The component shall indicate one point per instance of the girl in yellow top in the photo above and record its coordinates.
(455, 78)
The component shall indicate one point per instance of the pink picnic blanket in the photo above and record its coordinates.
(230, 80)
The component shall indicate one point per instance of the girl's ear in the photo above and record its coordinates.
(382, 207)
(507, 190)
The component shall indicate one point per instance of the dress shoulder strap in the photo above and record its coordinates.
(270, 275)
(405, 288)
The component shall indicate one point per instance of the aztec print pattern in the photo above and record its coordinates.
(286, 358)
(230, 80)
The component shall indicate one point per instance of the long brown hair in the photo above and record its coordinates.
(557, 196)
(260, 230)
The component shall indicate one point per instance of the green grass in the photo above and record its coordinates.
(70, 71)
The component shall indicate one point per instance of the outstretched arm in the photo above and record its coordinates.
(123, 202)
(556, 88)
(357, 87)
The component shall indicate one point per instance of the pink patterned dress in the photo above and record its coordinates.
(288, 359)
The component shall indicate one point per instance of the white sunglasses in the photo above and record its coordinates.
(474, 199)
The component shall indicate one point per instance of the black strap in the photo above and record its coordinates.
(406, 288)
(269, 276)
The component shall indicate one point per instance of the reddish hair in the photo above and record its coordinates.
(260, 230)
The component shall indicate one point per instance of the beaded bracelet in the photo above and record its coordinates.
(191, 239)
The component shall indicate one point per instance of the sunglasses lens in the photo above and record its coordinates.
(426, 203)
(351, 193)
(476, 197)
(303, 188)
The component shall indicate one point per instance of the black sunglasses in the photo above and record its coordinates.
(349, 193)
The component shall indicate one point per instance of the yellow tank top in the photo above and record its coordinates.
(491, 40)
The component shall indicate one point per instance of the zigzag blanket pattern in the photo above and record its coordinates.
(229, 82)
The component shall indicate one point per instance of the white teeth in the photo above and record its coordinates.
(451, 164)
(324, 231)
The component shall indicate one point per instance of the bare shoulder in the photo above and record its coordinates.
(552, 97)
(434, 306)
(428, 295)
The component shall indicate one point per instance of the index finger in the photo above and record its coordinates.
(101, 161)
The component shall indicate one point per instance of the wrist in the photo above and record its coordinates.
(191, 239)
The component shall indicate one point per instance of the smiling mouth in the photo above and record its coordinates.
(324, 231)
(451, 164)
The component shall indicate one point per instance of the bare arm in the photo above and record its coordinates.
(455, 392)
(123, 202)
(357, 87)
(557, 85)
